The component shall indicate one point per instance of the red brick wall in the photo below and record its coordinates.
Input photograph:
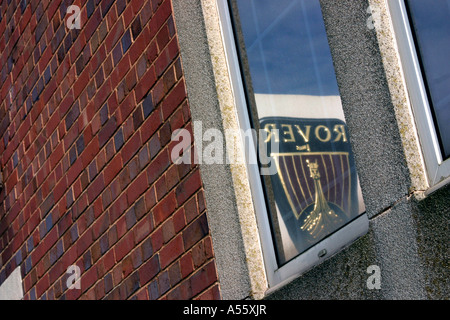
(86, 120)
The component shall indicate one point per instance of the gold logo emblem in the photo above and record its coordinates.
(314, 222)
(316, 207)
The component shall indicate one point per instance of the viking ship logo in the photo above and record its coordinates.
(317, 187)
(314, 190)
(322, 211)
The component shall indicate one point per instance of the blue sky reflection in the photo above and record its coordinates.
(287, 47)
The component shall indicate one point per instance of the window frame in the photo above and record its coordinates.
(437, 169)
(276, 276)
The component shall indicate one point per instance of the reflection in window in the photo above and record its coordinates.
(430, 23)
(293, 95)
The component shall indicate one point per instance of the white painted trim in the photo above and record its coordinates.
(11, 288)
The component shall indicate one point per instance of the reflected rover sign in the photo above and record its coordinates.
(315, 188)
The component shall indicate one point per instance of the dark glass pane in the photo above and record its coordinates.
(291, 86)
(430, 22)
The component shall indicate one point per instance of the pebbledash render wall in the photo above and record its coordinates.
(408, 224)
(86, 121)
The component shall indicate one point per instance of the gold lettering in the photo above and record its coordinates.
(340, 130)
(271, 129)
(304, 135)
(327, 131)
(289, 132)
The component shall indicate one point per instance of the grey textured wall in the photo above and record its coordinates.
(407, 239)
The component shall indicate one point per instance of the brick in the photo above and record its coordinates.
(117, 54)
(95, 20)
(95, 188)
(131, 147)
(83, 243)
(168, 230)
(140, 208)
(212, 293)
(200, 253)
(130, 218)
(143, 229)
(174, 274)
(137, 118)
(147, 105)
(131, 284)
(104, 114)
(124, 178)
(112, 235)
(145, 83)
(201, 201)
(179, 221)
(143, 157)
(153, 290)
(107, 131)
(186, 265)
(188, 186)
(173, 100)
(127, 106)
(157, 239)
(147, 249)
(203, 278)
(158, 166)
(137, 188)
(100, 225)
(42, 285)
(141, 65)
(112, 169)
(161, 188)
(104, 91)
(136, 27)
(138, 47)
(127, 266)
(149, 270)
(171, 251)
(126, 41)
(163, 282)
(114, 35)
(136, 258)
(164, 208)
(165, 134)
(148, 128)
(163, 37)
(124, 246)
(88, 279)
(108, 283)
(121, 226)
(195, 231)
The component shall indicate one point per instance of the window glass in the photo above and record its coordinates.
(293, 95)
(430, 23)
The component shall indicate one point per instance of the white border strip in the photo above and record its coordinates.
(11, 288)
(437, 169)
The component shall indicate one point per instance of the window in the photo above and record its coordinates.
(283, 75)
(423, 35)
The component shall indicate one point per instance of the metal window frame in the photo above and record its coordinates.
(276, 276)
(437, 169)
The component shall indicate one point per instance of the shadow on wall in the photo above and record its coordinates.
(432, 222)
